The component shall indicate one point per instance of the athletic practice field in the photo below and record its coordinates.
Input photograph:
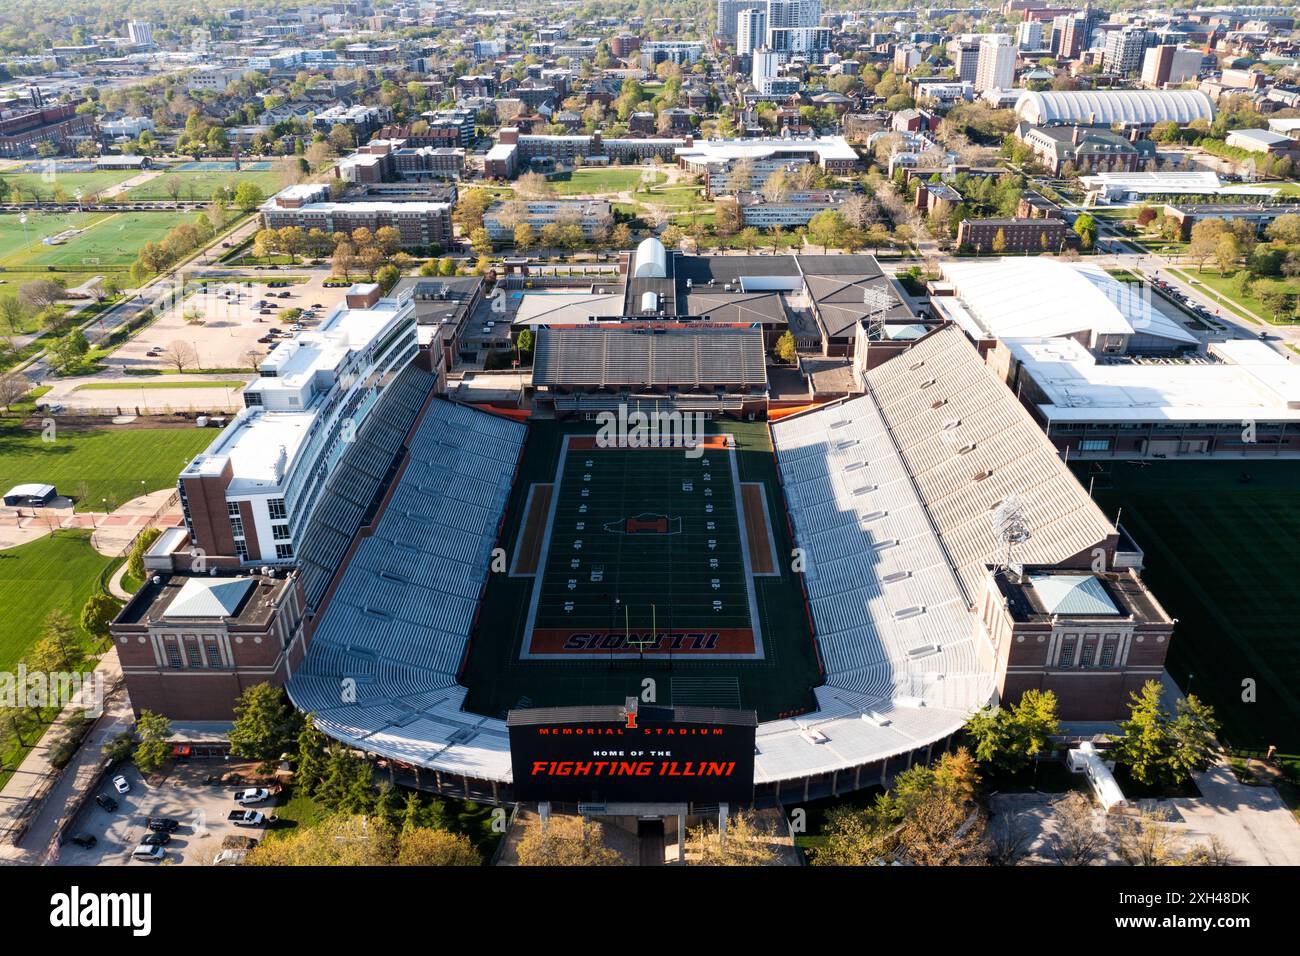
(635, 564)
(104, 240)
(198, 185)
(1222, 544)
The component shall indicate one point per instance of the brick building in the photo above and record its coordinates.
(1018, 235)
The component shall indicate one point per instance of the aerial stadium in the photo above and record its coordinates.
(835, 570)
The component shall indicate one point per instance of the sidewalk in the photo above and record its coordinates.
(30, 782)
(112, 531)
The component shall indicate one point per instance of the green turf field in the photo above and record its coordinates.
(60, 571)
(1223, 557)
(93, 465)
(667, 579)
(199, 185)
(108, 241)
(779, 684)
(592, 182)
(41, 187)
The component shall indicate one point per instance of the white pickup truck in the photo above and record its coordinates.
(247, 818)
(251, 796)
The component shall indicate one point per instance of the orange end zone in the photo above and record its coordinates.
(563, 642)
(589, 443)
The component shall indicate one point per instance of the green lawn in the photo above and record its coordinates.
(93, 465)
(593, 182)
(59, 571)
(1216, 281)
(108, 242)
(201, 184)
(1221, 557)
(39, 186)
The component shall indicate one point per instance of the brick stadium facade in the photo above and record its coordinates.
(193, 667)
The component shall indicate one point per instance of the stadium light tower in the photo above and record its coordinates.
(1011, 528)
(878, 302)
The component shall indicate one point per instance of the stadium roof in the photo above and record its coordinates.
(1036, 296)
(638, 357)
(1252, 383)
(1106, 107)
(969, 444)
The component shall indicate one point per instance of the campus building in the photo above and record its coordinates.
(419, 223)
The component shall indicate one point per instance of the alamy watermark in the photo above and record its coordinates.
(657, 429)
(40, 689)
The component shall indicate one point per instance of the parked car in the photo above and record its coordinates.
(162, 824)
(120, 784)
(162, 838)
(247, 818)
(273, 331)
(265, 340)
(84, 840)
(145, 852)
(252, 795)
(297, 327)
(105, 802)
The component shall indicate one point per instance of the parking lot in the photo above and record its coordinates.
(184, 795)
(222, 322)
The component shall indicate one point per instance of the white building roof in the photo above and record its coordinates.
(262, 442)
(1191, 182)
(567, 308)
(1037, 296)
(209, 597)
(1254, 383)
(724, 150)
(1105, 107)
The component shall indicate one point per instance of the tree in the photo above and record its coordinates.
(532, 186)
(748, 238)
(344, 840)
(265, 725)
(1285, 228)
(621, 236)
(291, 240)
(181, 354)
(13, 386)
(1077, 840)
(135, 560)
(387, 276)
(344, 260)
(59, 648)
(1085, 227)
(311, 756)
(422, 846)
(747, 843)
(1192, 733)
(1158, 748)
(1227, 250)
(153, 750)
(566, 841)
(786, 348)
(98, 612)
(827, 229)
(1000, 241)
(1205, 241)
(1011, 739)
(249, 195)
(525, 237)
(12, 314)
(480, 241)
(1148, 840)
(525, 342)
(41, 293)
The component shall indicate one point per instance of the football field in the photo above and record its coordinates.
(1222, 554)
(643, 555)
(102, 240)
(632, 611)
